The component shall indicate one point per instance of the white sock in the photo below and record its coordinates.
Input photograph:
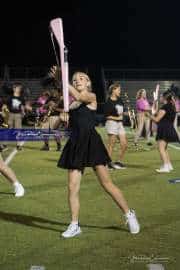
(74, 223)
(128, 213)
(166, 165)
(16, 184)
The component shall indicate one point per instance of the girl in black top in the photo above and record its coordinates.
(114, 110)
(165, 131)
(86, 149)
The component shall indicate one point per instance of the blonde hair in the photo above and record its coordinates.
(139, 93)
(89, 84)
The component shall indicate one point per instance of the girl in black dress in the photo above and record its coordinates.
(86, 149)
(165, 131)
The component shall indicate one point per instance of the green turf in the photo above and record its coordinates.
(30, 227)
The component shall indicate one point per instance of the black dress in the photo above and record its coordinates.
(84, 147)
(166, 130)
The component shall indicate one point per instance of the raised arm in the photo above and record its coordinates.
(158, 117)
(84, 96)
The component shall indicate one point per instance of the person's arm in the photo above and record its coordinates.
(86, 97)
(60, 110)
(158, 117)
(115, 118)
(74, 105)
(154, 108)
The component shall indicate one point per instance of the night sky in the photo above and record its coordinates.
(131, 34)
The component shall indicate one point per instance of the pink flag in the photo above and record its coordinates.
(56, 26)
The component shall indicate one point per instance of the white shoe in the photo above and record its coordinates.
(72, 231)
(132, 222)
(117, 166)
(163, 170)
(170, 167)
(19, 191)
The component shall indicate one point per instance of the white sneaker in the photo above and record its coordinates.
(163, 169)
(132, 222)
(170, 167)
(117, 166)
(72, 231)
(19, 191)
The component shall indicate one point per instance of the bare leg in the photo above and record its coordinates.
(110, 144)
(74, 178)
(111, 188)
(140, 120)
(7, 172)
(162, 150)
(123, 144)
(167, 155)
(147, 128)
(58, 142)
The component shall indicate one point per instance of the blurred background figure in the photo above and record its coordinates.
(15, 105)
(142, 106)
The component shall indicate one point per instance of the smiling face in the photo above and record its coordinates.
(81, 81)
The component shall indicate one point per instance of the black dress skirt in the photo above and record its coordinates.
(84, 147)
(165, 129)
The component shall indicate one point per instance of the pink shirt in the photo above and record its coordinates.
(177, 105)
(41, 101)
(142, 105)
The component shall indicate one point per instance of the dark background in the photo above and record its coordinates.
(131, 34)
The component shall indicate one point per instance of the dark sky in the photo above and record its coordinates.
(112, 33)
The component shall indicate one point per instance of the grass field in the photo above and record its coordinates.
(30, 227)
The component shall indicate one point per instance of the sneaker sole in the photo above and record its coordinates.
(135, 232)
(162, 172)
(19, 196)
(119, 168)
(76, 234)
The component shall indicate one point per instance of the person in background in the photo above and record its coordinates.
(142, 106)
(4, 116)
(15, 104)
(114, 109)
(166, 132)
(53, 107)
(177, 106)
(41, 101)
